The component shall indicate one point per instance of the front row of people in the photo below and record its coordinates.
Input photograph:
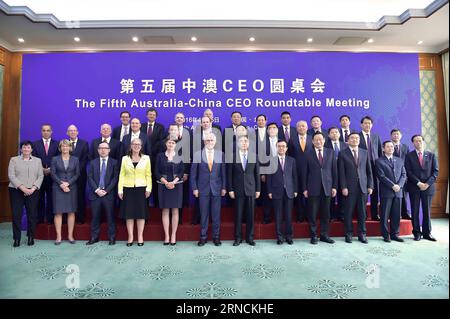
(322, 175)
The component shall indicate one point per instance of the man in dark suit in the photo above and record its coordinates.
(282, 188)
(244, 185)
(124, 128)
(209, 113)
(286, 131)
(103, 175)
(391, 173)
(156, 135)
(356, 181)
(319, 185)
(345, 129)
(114, 145)
(422, 171)
(80, 149)
(135, 132)
(316, 126)
(298, 147)
(400, 150)
(337, 203)
(45, 149)
(372, 143)
(120, 131)
(208, 181)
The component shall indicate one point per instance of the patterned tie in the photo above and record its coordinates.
(320, 157)
(286, 134)
(355, 155)
(105, 140)
(302, 143)
(396, 150)
(421, 159)
(46, 147)
(150, 129)
(346, 136)
(210, 161)
(102, 174)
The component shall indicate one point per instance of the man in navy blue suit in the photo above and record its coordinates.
(46, 148)
(286, 131)
(391, 173)
(422, 171)
(105, 136)
(208, 182)
(345, 129)
(319, 185)
(334, 142)
(120, 131)
(400, 150)
(372, 143)
(136, 133)
(103, 175)
(80, 149)
(316, 126)
(356, 182)
(282, 188)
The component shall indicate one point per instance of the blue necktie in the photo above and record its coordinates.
(245, 161)
(336, 150)
(102, 174)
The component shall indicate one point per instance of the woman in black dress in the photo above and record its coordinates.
(135, 186)
(169, 172)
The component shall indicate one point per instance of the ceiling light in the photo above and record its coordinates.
(135, 39)
(194, 39)
(370, 40)
(251, 39)
(420, 42)
(76, 39)
(309, 40)
(21, 40)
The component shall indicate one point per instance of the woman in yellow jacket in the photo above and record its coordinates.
(135, 186)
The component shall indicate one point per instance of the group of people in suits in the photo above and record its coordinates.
(323, 173)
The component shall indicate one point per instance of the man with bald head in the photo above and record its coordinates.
(105, 136)
(80, 149)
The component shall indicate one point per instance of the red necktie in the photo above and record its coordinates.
(420, 159)
(46, 147)
(150, 129)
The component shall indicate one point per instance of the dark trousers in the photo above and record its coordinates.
(196, 212)
(301, 203)
(45, 205)
(390, 210)
(405, 213)
(81, 202)
(266, 203)
(17, 201)
(356, 201)
(283, 211)
(319, 204)
(337, 206)
(244, 205)
(210, 204)
(107, 203)
(374, 197)
(416, 199)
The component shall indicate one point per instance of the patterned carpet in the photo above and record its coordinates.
(185, 271)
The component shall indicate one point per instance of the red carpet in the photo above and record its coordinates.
(186, 231)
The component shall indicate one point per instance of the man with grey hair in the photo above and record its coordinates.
(105, 136)
(80, 149)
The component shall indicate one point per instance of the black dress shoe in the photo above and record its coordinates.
(166, 243)
(340, 219)
(400, 240)
(251, 242)
(300, 220)
(16, 243)
(406, 217)
(129, 244)
(92, 241)
(112, 241)
(417, 237)
(217, 242)
(363, 239)
(348, 239)
(140, 244)
(173, 244)
(279, 242)
(376, 218)
(326, 240)
(429, 237)
(289, 241)
(313, 240)
(387, 240)
(30, 241)
(201, 242)
(237, 242)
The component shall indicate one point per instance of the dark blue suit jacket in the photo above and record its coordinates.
(281, 135)
(111, 177)
(282, 181)
(416, 173)
(376, 145)
(243, 183)
(205, 181)
(341, 137)
(157, 137)
(39, 151)
(403, 150)
(114, 146)
(126, 142)
(296, 152)
(82, 152)
(342, 145)
(316, 177)
(352, 176)
(389, 175)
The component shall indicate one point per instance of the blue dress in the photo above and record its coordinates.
(169, 198)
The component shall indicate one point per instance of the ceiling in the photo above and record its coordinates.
(394, 26)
